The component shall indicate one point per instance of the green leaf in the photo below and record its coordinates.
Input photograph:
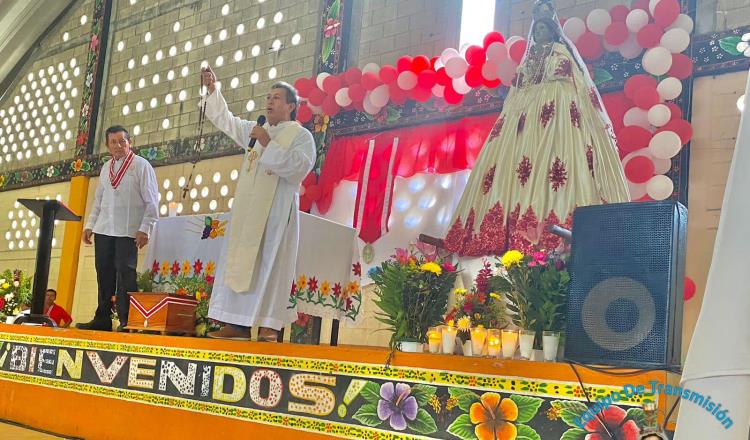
(526, 433)
(423, 393)
(423, 424)
(333, 12)
(638, 416)
(569, 411)
(527, 407)
(601, 76)
(462, 428)
(328, 47)
(371, 392)
(465, 397)
(367, 415)
(729, 45)
(574, 434)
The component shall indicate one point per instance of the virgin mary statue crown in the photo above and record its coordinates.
(544, 9)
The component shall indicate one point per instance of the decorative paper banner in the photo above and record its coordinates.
(318, 395)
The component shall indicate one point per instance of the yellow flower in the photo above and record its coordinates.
(6, 285)
(512, 257)
(478, 316)
(431, 266)
(461, 292)
(164, 269)
(16, 311)
(464, 323)
(495, 295)
(451, 323)
(352, 288)
(210, 267)
(325, 288)
(302, 282)
(198, 296)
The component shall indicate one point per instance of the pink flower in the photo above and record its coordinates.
(331, 28)
(539, 257)
(402, 255)
(448, 266)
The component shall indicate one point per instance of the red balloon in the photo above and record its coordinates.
(619, 13)
(517, 50)
(331, 84)
(649, 36)
(492, 37)
(403, 63)
(616, 33)
(421, 95)
(646, 97)
(304, 114)
(388, 74)
(304, 204)
(433, 60)
(639, 169)
(676, 111)
(451, 96)
(357, 92)
(666, 12)
(475, 56)
(330, 107)
(590, 46)
(312, 192)
(682, 66)
(353, 75)
(358, 105)
(426, 79)
(632, 138)
(690, 289)
(635, 82)
(646, 198)
(680, 126)
(370, 80)
(616, 105)
(316, 97)
(420, 63)
(474, 76)
(442, 77)
(641, 4)
(492, 83)
(397, 95)
(304, 86)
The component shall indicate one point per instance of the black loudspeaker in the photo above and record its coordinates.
(627, 273)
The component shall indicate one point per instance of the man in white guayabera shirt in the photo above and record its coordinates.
(260, 251)
(122, 217)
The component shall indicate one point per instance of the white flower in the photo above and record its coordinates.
(16, 283)
(2, 280)
(746, 37)
(742, 46)
(8, 296)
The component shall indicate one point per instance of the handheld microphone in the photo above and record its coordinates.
(261, 120)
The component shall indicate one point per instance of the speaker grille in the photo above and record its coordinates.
(627, 267)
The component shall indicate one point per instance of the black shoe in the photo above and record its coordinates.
(93, 325)
(121, 328)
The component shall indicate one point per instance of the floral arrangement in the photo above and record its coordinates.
(412, 293)
(478, 307)
(15, 291)
(536, 286)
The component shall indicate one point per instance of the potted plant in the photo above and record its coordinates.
(412, 295)
(536, 286)
(15, 293)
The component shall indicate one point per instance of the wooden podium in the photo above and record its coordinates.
(161, 312)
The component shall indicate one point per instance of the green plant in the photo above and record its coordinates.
(145, 281)
(412, 294)
(15, 292)
(536, 286)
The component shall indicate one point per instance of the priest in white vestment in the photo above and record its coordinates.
(260, 250)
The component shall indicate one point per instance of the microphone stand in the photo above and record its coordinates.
(199, 144)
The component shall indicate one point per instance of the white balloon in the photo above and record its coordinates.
(315, 109)
(406, 80)
(669, 88)
(448, 54)
(661, 166)
(497, 52)
(636, 116)
(456, 67)
(369, 106)
(380, 95)
(676, 40)
(507, 71)
(657, 61)
(636, 190)
(371, 67)
(490, 70)
(573, 28)
(509, 42)
(683, 21)
(665, 145)
(342, 97)
(642, 152)
(460, 86)
(319, 80)
(630, 48)
(598, 20)
(659, 115)
(660, 187)
(636, 19)
(652, 5)
(438, 90)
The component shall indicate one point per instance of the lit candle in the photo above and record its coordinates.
(493, 342)
(510, 340)
(478, 336)
(449, 339)
(434, 339)
(172, 208)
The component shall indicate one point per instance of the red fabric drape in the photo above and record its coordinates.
(439, 148)
(375, 189)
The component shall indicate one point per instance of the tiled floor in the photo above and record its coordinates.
(13, 432)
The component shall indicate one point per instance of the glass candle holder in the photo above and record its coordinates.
(510, 340)
(493, 342)
(526, 343)
(172, 209)
(550, 344)
(449, 339)
(434, 339)
(478, 336)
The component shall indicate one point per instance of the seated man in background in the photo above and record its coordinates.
(54, 311)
